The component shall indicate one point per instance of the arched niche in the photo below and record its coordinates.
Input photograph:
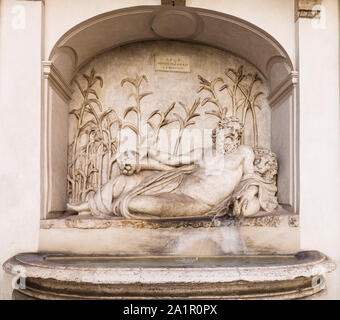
(130, 25)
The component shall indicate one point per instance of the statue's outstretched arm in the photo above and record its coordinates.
(174, 160)
(152, 164)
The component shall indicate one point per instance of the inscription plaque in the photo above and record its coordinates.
(170, 63)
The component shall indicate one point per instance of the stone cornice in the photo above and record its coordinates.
(52, 74)
(283, 88)
(306, 9)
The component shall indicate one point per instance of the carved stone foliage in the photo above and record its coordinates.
(240, 87)
(94, 145)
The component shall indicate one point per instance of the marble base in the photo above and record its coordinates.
(192, 236)
(265, 276)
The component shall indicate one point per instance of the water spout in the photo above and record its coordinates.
(213, 240)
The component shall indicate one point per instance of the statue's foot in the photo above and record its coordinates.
(82, 208)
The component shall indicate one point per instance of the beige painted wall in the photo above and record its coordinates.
(20, 94)
(319, 133)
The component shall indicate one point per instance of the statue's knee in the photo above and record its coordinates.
(146, 204)
(139, 204)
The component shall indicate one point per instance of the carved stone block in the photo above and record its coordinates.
(307, 9)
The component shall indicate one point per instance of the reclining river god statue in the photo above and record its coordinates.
(228, 178)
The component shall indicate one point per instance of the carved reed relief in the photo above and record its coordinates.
(138, 96)
(94, 150)
(241, 88)
(93, 141)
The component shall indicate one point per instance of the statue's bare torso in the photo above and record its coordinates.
(214, 178)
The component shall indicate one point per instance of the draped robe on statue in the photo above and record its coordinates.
(114, 197)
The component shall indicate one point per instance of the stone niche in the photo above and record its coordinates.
(172, 80)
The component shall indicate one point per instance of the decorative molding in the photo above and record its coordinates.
(279, 98)
(45, 151)
(52, 79)
(250, 27)
(69, 276)
(99, 19)
(266, 221)
(89, 222)
(283, 88)
(53, 75)
(214, 18)
(69, 52)
(306, 9)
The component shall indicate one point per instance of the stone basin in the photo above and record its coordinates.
(253, 276)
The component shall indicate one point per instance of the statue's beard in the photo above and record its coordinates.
(227, 146)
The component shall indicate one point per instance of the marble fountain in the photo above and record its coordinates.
(176, 193)
(259, 276)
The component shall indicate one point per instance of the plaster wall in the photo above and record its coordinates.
(319, 133)
(20, 103)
